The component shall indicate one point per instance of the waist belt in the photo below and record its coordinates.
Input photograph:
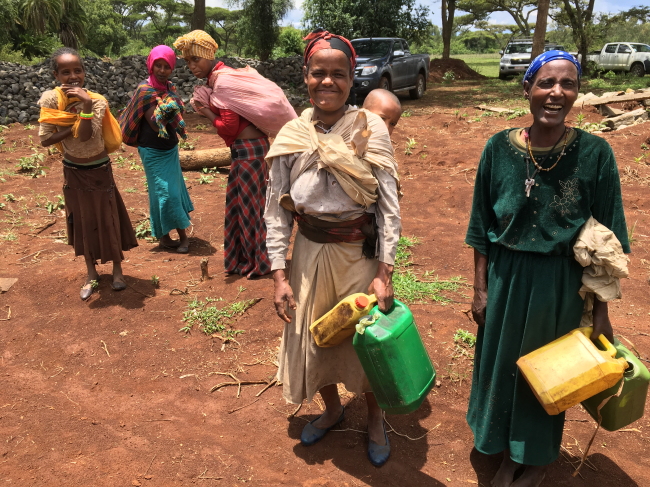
(321, 231)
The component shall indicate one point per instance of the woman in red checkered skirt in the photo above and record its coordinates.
(244, 242)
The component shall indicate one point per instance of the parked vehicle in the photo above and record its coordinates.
(387, 62)
(630, 57)
(515, 58)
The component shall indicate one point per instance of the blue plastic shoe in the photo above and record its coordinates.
(378, 454)
(311, 435)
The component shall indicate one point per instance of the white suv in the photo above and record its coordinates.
(515, 58)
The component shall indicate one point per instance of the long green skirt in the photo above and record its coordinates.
(169, 201)
(532, 300)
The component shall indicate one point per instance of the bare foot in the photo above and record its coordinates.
(328, 419)
(506, 473)
(532, 476)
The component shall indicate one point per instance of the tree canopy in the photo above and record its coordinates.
(366, 18)
(34, 28)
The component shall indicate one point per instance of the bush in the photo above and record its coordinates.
(290, 43)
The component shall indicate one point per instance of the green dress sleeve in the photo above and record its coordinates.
(482, 214)
(608, 202)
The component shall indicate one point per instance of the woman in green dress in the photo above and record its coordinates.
(535, 188)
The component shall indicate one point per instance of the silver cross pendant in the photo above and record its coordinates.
(529, 185)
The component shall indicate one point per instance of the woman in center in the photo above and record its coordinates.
(332, 170)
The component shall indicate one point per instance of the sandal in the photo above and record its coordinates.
(118, 285)
(86, 291)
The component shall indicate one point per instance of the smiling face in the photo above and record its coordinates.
(329, 79)
(552, 93)
(161, 71)
(70, 70)
(199, 66)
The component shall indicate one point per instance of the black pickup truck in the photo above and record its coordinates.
(386, 62)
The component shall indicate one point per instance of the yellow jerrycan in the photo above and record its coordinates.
(571, 369)
(339, 323)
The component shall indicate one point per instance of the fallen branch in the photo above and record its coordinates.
(201, 476)
(33, 253)
(105, 348)
(268, 386)
(242, 407)
(238, 382)
(150, 463)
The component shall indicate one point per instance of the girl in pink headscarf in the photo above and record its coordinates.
(152, 122)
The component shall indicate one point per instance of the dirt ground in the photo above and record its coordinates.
(109, 392)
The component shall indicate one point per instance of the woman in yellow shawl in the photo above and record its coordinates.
(98, 225)
(332, 170)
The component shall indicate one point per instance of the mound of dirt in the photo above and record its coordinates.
(438, 68)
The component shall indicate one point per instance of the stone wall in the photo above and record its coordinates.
(21, 86)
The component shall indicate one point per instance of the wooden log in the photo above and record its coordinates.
(195, 160)
(582, 99)
(626, 119)
(607, 111)
(603, 100)
(495, 109)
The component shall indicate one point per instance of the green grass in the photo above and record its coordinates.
(143, 229)
(466, 337)
(485, 64)
(211, 319)
(410, 287)
(603, 82)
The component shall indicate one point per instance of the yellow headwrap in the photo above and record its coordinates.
(197, 43)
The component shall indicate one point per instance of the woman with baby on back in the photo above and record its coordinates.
(81, 126)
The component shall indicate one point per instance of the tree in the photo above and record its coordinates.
(108, 34)
(579, 15)
(8, 20)
(132, 19)
(369, 18)
(519, 10)
(540, 28)
(260, 24)
(222, 24)
(164, 16)
(448, 10)
(198, 19)
(332, 15)
(290, 43)
(65, 18)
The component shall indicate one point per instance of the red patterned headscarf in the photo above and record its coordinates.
(321, 39)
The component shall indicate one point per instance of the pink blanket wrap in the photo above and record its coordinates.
(250, 95)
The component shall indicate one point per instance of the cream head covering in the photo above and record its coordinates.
(197, 43)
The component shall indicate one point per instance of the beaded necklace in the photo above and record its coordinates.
(530, 180)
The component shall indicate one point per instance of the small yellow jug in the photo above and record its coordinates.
(571, 369)
(339, 323)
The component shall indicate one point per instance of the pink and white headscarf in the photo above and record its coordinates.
(160, 52)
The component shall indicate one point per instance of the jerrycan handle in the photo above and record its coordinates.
(609, 348)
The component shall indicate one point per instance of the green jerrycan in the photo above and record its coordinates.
(394, 359)
(628, 407)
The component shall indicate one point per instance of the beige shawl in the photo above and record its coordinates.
(357, 142)
(601, 254)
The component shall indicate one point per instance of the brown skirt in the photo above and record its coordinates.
(98, 224)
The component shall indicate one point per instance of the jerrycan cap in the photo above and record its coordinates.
(361, 302)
